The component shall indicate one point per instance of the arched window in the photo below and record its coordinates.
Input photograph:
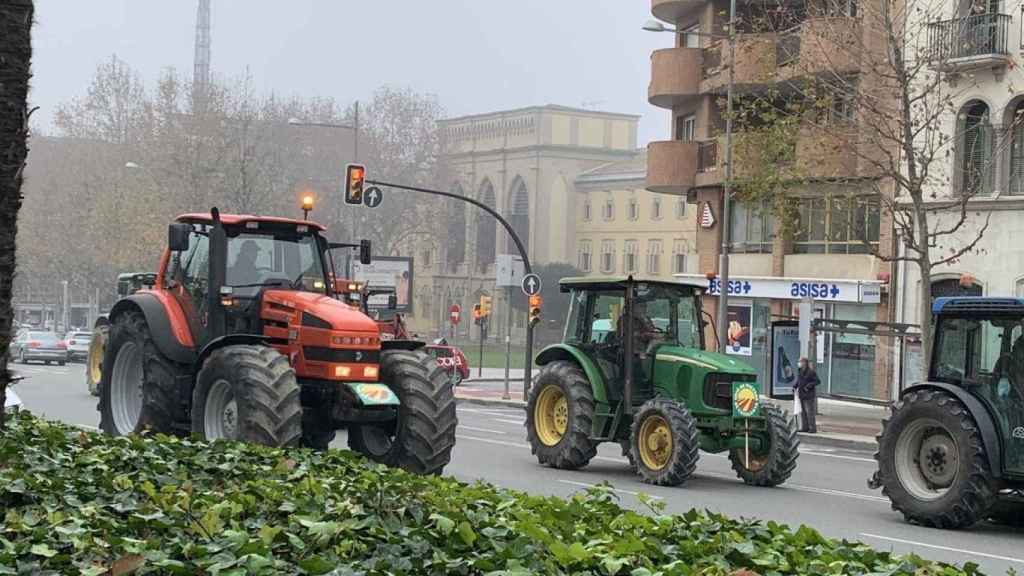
(486, 229)
(1017, 149)
(954, 287)
(975, 144)
(519, 216)
(456, 229)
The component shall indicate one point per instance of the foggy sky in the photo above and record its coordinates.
(476, 55)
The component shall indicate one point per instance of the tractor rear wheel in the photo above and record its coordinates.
(665, 442)
(94, 363)
(247, 393)
(773, 466)
(932, 463)
(560, 417)
(421, 439)
(138, 388)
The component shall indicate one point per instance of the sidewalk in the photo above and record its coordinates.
(841, 424)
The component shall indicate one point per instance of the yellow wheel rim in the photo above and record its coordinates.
(655, 442)
(96, 349)
(551, 415)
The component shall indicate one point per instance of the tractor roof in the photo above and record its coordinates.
(619, 282)
(238, 219)
(980, 306)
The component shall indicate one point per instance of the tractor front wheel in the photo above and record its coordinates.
(560, 416)
(94, 363)
(665, 442)
(421, 439)
(774, 465)
(138, 389)
(932, 463)
(247, 393)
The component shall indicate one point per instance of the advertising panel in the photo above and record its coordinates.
(387, 272)
(739, 329)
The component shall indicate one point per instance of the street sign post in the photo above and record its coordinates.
(372, 197)
(531, 284)
(455, 314)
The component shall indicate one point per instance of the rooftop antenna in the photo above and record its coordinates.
(201, 70)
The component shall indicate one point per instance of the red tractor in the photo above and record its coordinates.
(242, 337)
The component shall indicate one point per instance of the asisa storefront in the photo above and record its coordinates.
(763, 329)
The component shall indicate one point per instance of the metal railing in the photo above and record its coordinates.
(978, 35)
(707, 156)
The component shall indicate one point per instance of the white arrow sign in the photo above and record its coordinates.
(373, 197)
(531, 284)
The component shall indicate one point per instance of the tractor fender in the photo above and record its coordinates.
(405, 345)
(557, 352)
(986, 423)
(159, 325)
(228, 340)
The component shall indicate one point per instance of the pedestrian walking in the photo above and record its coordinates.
(807, 390)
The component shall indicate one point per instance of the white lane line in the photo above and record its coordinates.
(475, 429)
(838, 456)
(946, 548)
(507, 421)
(614, 489)
(491, 412)
(789, 485)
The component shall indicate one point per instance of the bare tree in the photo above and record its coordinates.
(15, 61)
(863, 100)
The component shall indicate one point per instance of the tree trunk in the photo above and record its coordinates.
(15, 57)
(924, 297)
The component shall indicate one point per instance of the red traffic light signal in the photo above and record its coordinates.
(355, 176)
(535, 303)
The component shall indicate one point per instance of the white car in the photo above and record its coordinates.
(13, 403)
(78, 344)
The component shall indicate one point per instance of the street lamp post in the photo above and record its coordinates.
(722, 318)
(354, 126)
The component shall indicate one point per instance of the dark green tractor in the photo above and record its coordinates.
(952, 452)
(632, 369)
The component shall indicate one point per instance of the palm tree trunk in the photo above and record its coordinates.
(15, 59)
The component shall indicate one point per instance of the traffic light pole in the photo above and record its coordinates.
(528, 373)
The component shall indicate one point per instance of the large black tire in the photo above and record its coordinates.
(672, 442)
(560, 417)
(161, 411)
(94, 361)
(317, 430)
(775, 466)
(949, 435)
(247, 393)
(421, 439)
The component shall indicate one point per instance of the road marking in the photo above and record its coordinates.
(490, 412)
(492, 441)
(475, 429)
(946, 548)
(507, 421)
(614, 489)
(838, 456)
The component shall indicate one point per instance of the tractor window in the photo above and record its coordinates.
(193, 267)
(282, 259)
(607, 309)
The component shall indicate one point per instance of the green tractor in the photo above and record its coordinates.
(649, 385)
(952, 452)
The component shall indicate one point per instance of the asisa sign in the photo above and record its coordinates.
(797, 289)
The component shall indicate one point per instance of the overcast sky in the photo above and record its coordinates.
(476, 55)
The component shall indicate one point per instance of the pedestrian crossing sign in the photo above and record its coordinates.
(745, 400)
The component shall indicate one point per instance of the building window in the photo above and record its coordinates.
(750, 228)
(1017, 146)
(975, 142)
(634, 209)
(679, 256)
(609, 209)
(654, 257)
(427, 257)
(656, 209)
(837, 225)
(587, 210)
(629, 257)
(585, 251)
(680, 207)
(607, 256)
(1020, 288)
(686, 128)
(690, 37)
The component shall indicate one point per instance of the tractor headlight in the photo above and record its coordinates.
(370, 372)
(342, 371)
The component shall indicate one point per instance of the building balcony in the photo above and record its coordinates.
(672, 10)
(671, 166)
(755, 62)
(975, 41)
(675, 75)
(818, 46)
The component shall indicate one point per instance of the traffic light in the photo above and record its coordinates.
(485, 305)
(535, 303)
(476, 314)
(355, 176)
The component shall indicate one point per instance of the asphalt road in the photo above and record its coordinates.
(827, 492)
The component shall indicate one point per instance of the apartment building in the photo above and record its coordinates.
(828, 257)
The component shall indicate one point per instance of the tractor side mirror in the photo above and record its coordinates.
(177, 237)
(365, 252)
(392, 302)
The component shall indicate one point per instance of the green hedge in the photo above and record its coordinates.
(80, 502)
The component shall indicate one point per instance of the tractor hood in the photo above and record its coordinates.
(712, 361)
(323, 309)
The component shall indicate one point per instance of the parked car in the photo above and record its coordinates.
(39, 347)
(451, 359)
(78, 344)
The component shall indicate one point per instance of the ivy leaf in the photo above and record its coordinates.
(43, 550)
(466, 533)
(444, 524)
